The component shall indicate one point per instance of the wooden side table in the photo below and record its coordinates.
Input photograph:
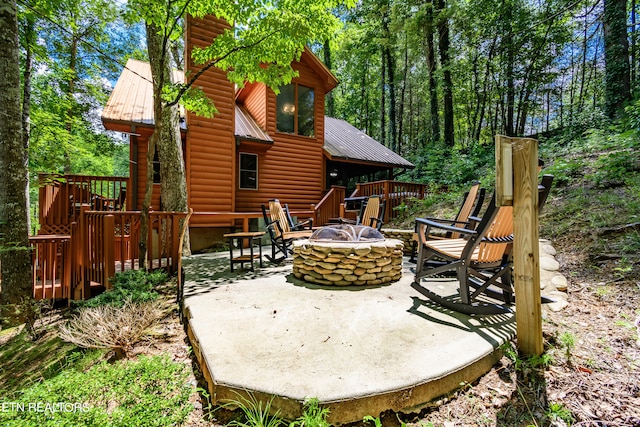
(251, 237)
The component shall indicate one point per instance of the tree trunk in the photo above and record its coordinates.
(633, 45)
(402, 94)
(71, 87)
(447, 86)
(509, 70)
(166, 134)
(616, 57)
(30, 40)
(327, 61)
(431, 71)
(383, 95)
(14, 248)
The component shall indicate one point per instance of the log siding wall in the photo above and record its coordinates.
(210, 154)
(292, 170)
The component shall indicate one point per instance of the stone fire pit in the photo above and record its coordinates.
(346, 255)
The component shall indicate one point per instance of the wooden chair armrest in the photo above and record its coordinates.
(305, 224)
(446, 221)
(428, 224)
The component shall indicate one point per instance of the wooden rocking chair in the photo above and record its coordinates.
(277, 222)
(470, 208)
(371, 214)
(480, 261)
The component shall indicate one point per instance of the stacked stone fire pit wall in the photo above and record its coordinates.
(405, 236)
(344, 264)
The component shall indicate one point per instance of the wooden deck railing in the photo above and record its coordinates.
(61, 196)
(100, 244)
(51, 263)
(394, 193)
(329, 206)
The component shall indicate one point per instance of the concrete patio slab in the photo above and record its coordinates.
(360, 351)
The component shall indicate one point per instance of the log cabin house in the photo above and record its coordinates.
(258, 146)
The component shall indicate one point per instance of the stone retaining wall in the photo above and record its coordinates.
(405, 236)
(344, 264)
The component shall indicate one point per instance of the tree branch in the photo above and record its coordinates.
(186, 86)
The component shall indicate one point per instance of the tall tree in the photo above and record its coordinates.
(429, 45)
(14, 254)
(331, 105)
(444, 44)
(616, 56)
(166, 137)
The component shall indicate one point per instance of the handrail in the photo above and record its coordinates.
(394, 193)
(329, 206)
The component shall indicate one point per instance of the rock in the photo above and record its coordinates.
(549, 263)
(547, 249)
(326, 265)
(559, 298)
(560, 282)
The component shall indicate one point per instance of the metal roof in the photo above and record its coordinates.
(131, 101)
(247, 128)
(343, 141)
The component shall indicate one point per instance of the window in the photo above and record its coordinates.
(295, 110)
(248, 171)
(156, 168)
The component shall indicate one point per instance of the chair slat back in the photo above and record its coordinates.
(371, 211)
(498, 237)
(467, 207)
(277, 213)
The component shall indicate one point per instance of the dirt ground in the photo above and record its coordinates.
(590, 375)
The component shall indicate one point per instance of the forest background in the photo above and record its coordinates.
(432, 80)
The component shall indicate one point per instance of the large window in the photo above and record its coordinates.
(248, 171)
(295, 110)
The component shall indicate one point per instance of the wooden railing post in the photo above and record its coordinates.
(108, 250)
(75, 254)
(65, 279)
(83, 252)
(526, 262)
(175, 245)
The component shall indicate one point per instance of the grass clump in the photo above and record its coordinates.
(254, 413)
(313, 415)
(111, 327)
(152, 391)
(132, 285)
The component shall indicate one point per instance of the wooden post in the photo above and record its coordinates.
(85, 286)
(526, 262)
(109, 251)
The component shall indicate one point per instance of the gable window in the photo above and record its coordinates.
(295, 110)
(248, 171)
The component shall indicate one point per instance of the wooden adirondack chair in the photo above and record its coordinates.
(543, 190)
(371, 213)
(470, 207)
(277, 223)
(480, 261)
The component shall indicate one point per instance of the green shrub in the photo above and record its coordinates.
(152, 391)
(614, 169)
(132, 285)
